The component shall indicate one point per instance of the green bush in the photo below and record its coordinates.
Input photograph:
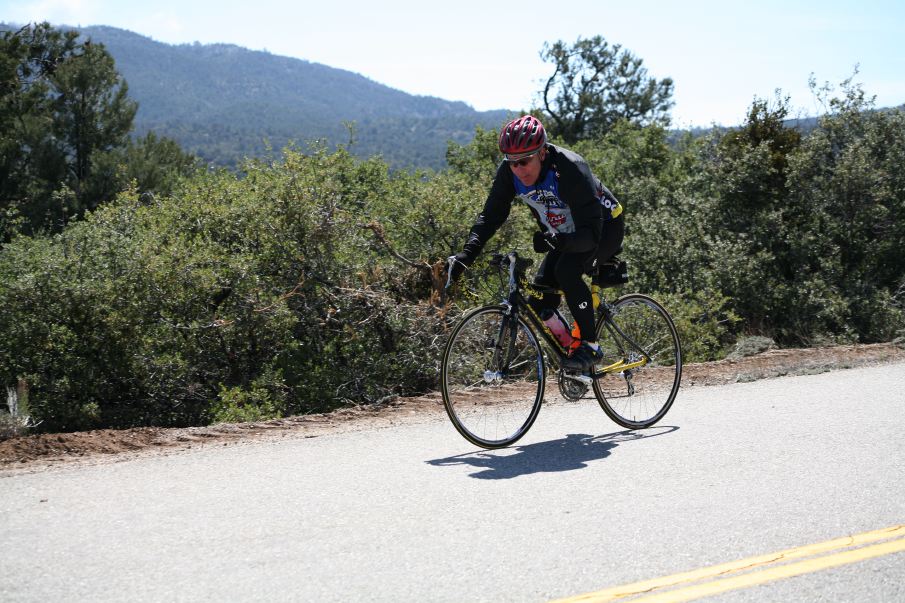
(751, 346)
(704, 321)
(257, 296)
(304, 284)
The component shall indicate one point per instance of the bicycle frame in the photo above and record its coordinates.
(498, 358)
(516, 300)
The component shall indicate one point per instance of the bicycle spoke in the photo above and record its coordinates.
(492, 378)
(640, 396)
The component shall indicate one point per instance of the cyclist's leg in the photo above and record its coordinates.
(545, 277)
(611, 238)
(568, 273)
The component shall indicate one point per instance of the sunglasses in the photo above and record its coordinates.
(517, 163)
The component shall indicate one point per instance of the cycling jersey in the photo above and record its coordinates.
(567, 200)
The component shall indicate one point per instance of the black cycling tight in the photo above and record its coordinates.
(563, 271)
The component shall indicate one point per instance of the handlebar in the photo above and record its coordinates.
(502, 261)
(450, 261)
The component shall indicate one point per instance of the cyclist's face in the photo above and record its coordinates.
(527, 170)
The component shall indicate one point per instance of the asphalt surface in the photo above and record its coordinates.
(415, 513)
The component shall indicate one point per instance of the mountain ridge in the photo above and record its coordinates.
(224, 102)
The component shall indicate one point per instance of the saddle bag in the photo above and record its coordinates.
(612, 272)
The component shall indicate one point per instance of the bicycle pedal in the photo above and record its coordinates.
(579, 377)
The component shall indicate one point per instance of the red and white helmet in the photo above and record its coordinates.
(522, 136)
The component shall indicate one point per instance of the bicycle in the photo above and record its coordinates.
(494, 370)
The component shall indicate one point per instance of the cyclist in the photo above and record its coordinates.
(581, 223)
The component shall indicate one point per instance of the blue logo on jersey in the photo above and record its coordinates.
(545, 192)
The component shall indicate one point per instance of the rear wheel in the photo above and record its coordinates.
(639, 396)
(492, 377)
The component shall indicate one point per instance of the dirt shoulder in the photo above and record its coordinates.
(35, 452)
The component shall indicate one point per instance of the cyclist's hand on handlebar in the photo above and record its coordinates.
(455, 266)
(545, 241)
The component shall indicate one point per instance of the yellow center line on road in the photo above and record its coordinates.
(707, 589)
(763, 568)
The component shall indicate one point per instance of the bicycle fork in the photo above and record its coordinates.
(501, 358)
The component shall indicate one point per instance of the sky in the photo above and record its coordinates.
(720, 54)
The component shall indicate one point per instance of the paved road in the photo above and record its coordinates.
(415, 513)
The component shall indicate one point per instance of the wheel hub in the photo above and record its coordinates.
(493, 377)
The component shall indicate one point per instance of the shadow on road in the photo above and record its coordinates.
(572, 452)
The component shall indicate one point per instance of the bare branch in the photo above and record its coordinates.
(377, 229)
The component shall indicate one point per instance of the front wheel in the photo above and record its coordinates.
(642, 345)
(492, 377)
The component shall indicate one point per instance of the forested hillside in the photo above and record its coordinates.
(225, 103)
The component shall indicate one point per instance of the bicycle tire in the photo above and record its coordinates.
(492, 382)
(639, 397)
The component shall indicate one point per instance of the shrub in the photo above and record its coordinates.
(704, 320)
(751, 346)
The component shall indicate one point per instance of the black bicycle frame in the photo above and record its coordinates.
(515, 300)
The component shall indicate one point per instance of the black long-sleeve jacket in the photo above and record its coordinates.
(567, 200)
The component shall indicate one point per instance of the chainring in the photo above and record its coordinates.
(571, 389)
